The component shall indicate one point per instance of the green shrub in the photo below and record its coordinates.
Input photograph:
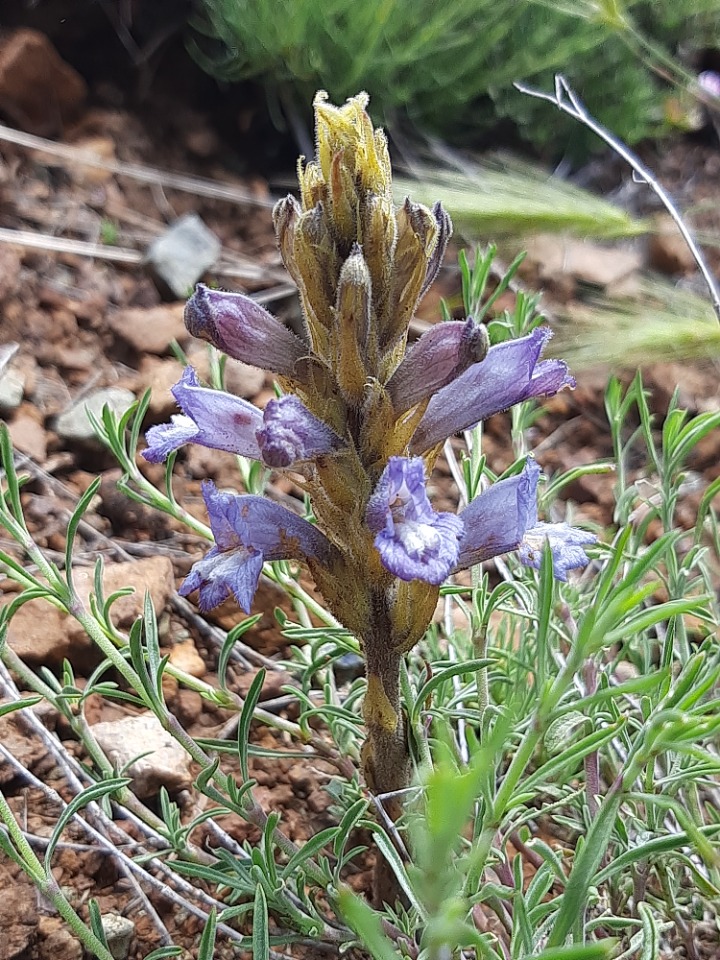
(449, 68)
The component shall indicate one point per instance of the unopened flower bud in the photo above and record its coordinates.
(240, 327)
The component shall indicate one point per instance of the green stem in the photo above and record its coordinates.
(48, 887)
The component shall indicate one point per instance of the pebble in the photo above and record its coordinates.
(39, 91)
(667, 250)
(180, 256)
(74, 424)
(161, 761)
(12, 390)
(119, 932)
(150, 330)
(184, 656)
(158, 376)
(41, 634)
(28, 436)
(242, 379)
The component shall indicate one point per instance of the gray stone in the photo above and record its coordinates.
(119, 932)
(180, 257)
(74, 424)
(147, 753)
(12, 390)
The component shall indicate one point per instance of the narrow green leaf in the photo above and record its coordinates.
(6, 708)
(582, 875)
(243, 733)
(309, 849)
(227, 648)
(455, 670)
(95, 792)
(260, 928)
(366, 923)
(73, 524)
(206, 948)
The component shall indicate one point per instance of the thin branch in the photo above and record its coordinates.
(567, 100)
(198, 186)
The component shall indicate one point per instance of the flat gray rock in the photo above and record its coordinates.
(180, 256)
(74, 424)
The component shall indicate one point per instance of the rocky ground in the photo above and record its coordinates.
(94, 314)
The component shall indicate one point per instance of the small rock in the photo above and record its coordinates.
(151, 574)
(242, 379)
(184, 656)
(179, 257)
(667, 250)
(159, 376)
(187, 707)
(40, 634)
(18, 913)
(91, 176)
(150, 330)
(10, 264)
(38, 91)
(12, 390)
(57, 940)
(164, 764)
(587, 262)
(29, 436)
(74, 424)
(119, 932)
(349, 667)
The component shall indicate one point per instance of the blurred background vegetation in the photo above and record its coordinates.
(448, 69)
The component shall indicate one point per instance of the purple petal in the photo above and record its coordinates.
(240, 327)
(291, 433)
(709, 81)
(510, 373)
(166, 437)
(504, 518)
(221, 421)
(496, 521)
(248, 530)
(566, 544)
(414, 542)
(439, 357)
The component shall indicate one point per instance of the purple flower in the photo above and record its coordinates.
(566, 544)
(248, 530)
(291, 433)
(709, 82)
(504, 518)
(210, 417)
(413, 540)
(439, 357)
(511, 372)
(240, 327)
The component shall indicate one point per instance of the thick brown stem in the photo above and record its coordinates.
(386, 758)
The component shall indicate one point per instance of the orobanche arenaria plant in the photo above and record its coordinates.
(361, 421)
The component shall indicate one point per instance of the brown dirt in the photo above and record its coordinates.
(63, 310)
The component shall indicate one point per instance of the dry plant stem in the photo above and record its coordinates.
(197, 186)
(566, 99)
